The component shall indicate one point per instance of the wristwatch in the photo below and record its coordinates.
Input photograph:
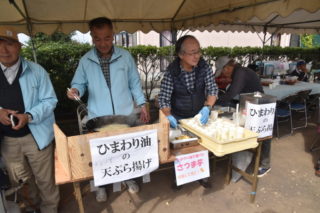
(30, 118)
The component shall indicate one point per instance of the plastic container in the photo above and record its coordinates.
(256, 98)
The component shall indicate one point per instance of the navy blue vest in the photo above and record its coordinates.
(11, 98)
(186, 103)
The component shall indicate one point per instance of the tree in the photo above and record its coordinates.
(306, 40)
(41, 38)
(60, 56)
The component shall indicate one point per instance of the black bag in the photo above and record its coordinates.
(4, 180)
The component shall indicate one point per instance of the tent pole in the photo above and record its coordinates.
(261, 65)
(173, 41)
(29, 27)
(264, 36)
(30, 32)
(254, 29)
(34, 53)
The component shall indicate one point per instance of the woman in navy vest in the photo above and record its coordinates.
(188, 86)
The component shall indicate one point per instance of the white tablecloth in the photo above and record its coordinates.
(283, 90)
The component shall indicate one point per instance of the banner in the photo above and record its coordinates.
(123, 157)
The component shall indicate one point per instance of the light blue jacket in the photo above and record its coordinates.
(40, 100)
(125, 84)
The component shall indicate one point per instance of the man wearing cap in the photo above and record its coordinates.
(243, 80)
(301, 71)
(27, 101)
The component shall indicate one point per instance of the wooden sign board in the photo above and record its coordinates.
(73, 157)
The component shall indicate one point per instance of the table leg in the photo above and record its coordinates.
(255, 174)
(77, 194)
(229, 170)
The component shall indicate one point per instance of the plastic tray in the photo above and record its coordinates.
(221, 148)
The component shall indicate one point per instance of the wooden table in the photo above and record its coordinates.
(253, 177)
(220, 150)
(73, 157)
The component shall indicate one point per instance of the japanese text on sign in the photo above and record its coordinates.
(191, 167)
(260, 118)
(123, 157)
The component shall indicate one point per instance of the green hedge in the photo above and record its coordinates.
(61, 60)
(246, 55)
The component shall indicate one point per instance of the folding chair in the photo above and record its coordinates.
(313, 102)
(6, 189)
(283, 112)
(300, 105)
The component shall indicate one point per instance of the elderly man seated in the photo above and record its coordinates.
(301, 71)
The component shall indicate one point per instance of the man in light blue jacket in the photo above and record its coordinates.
(27, 101)
(110, 76)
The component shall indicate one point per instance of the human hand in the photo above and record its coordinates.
(144, 114)
(173, 121)
(204, 112)
(73, 94)
(23, 120)
(4, 116)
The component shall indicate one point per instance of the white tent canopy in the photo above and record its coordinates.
(31, 16)
(298, 22)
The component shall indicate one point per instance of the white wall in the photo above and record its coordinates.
(285, 40)
(151, 38)
(228, 39)
(216, 39)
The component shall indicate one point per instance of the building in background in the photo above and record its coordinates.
(217, 39)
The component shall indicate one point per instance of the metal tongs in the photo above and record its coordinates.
(183, 130)
(77, 98)
(186, 132)
(80, 102)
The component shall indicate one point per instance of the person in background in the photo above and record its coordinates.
(244, 80)
(222, 82)
(110, 75)
(188, 87)
(27, 101)
(254, 67)
(301, 71)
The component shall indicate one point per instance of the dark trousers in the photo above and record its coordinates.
(265, 154)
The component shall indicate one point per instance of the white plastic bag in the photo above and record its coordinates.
(241, 160)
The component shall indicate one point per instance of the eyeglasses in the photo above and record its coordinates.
(193, 53)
